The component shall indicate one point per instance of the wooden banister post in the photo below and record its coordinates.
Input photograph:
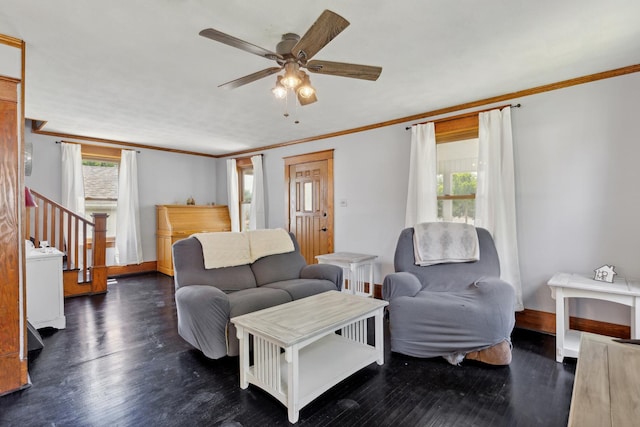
(99, 268)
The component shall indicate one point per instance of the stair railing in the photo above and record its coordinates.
(68, 232)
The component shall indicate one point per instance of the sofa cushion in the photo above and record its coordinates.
(189, 269)
(301, 288)
(279, 267)
(250, 300)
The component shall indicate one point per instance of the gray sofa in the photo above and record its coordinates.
(207, 298)
(451, 310)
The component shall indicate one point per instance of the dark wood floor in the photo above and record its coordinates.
(120, 362)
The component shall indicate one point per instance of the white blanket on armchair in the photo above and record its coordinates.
(445, 242)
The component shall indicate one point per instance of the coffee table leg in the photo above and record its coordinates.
(379, 337)
(291, 356)
(243, 338)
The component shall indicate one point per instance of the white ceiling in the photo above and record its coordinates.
(137, 70)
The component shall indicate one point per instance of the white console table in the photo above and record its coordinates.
(564, 286)
(357, 268)
(45, 293)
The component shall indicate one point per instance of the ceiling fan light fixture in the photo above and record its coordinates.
(306, 90)
(291, 79)
(279, 91)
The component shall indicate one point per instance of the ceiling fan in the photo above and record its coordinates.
(294, 53)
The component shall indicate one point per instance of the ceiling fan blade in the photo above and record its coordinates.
(218, 36)
(250, 78)
(343, 69)
(325, 29)
(307, 101)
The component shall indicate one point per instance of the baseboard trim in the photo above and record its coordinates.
(125, 270)
(543, 321)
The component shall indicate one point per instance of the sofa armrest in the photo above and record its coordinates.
(400, 285)
(323, 271)
(203, 314)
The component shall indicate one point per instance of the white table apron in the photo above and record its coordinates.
(313, 360)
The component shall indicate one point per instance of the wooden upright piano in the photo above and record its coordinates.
(176, 222)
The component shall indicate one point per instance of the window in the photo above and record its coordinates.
(245, 190)
(457, 152)
(457, 177)
(100, 166)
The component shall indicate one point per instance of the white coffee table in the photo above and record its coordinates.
(315, 358)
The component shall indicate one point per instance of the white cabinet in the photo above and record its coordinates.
(45, 294)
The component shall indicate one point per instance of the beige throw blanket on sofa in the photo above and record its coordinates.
(224, 249)
(445, 242)
(269, 242)
(228, 249)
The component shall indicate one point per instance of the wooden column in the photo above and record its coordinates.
(99, 268)
(13, 360)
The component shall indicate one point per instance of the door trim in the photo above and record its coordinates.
(307, 158)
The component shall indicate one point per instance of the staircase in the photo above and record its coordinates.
(84, 244)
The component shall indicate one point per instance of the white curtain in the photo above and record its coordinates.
(232, 194)
(72, 198)
(495, 195)
(128, 241)
(72, 179)
(256, 211)
(422, 203)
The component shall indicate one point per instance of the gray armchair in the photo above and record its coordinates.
(453, 310)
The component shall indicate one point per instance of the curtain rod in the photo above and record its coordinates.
(93, 145)
(465, 114)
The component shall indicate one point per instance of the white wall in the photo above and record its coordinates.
(577, 191)
(163, 178)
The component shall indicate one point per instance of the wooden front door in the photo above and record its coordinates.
(309, 179)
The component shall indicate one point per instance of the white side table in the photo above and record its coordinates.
(564, 286)
(357, 269)
(45, 293)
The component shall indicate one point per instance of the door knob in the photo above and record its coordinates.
(323, 229)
